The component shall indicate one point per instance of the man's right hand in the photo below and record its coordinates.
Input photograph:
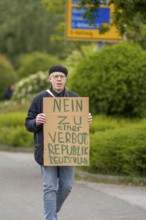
(41, 119)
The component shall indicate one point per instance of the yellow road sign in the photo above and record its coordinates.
(79, 28)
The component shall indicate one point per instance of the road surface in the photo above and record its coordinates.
(21, 195)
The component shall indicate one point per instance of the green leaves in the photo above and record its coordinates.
(114, 79)
(118, 146)
(25, 27)
(7, 75)
(13, 132)
(34, 62)
(129, 17)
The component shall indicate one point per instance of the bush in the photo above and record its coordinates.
(7, 75)
(13, 132)
(118, 147)
(26, 88)
(114, 79)
(32, 63)
(77, 55)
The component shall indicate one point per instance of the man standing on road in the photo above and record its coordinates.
(57, 180)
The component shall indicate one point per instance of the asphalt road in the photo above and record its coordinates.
(21, 195)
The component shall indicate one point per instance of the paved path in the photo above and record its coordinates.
(21, 195)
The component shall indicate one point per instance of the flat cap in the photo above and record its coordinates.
(58, 68)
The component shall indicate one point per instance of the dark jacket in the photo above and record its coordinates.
(30, 122)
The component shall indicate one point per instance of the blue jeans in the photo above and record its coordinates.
(57, 183)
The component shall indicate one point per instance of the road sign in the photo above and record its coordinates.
(79, 28)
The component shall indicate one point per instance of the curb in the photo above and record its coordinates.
(127, 180)
(17, 149)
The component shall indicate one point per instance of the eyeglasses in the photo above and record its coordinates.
(62, 77)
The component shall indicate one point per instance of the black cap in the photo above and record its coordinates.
(58, 68)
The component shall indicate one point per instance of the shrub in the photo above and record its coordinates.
(77, 55)
(32, 63)
(114, 79)
(26, 88)
(118, 147)
(7, 75)
(13, 132)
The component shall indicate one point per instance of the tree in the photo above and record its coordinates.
(129, 17)
(60, 44)
(26, 26)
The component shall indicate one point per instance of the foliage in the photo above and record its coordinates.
(58, 6)
(25, 27)
(34, 62)
(138, 32)
(63, 46)
(7, 75)
(77, 55)
(114, 79)
(13, 106)
(29, 86)
(13, 132)
(118, 146)
(127, 11)
(36, 26)
(129, 17)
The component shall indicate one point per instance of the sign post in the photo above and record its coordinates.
(66, 133)
(79, 28)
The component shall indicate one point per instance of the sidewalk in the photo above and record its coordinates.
(134, 195)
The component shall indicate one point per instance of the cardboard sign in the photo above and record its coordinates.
(66, 132)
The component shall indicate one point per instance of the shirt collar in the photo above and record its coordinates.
(61, 94)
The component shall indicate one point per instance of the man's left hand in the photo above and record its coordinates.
(89, 118)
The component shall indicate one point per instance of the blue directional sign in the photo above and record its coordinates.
(79, 28)
(76, 1)
(78, 22)
(79, 1)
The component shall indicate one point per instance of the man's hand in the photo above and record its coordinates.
(41, 119)
(90, 118)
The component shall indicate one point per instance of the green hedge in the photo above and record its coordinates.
(34, 62)
(7, 75)
(115, 80)
(118, 146)
(13, 132)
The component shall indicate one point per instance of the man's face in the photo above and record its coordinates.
(58, 81)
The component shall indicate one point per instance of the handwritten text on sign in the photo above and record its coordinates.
(66, 133)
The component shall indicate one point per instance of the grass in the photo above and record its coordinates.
(108, 179)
